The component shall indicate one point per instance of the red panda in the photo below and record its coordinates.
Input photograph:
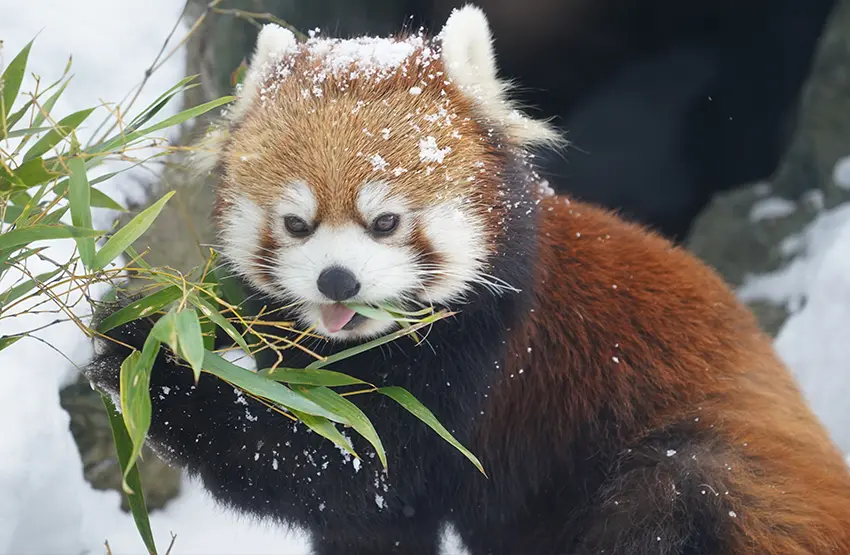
(620, 398)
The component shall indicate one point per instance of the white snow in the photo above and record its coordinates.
(841, 173)
(430, 152)
(771, 209)
(815, 287)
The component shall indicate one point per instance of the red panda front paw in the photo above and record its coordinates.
(113, 347)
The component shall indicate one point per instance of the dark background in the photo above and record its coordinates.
(665, 102)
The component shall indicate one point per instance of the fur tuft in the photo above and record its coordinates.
(471, 63)
(273, 43)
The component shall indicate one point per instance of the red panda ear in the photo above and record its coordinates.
(273, 43)
(467, 51)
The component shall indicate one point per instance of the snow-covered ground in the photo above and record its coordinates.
(46, 506)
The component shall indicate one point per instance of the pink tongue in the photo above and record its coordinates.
(335, 316)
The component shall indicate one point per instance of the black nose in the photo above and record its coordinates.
(338, 284)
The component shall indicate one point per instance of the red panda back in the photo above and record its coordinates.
(630, 335)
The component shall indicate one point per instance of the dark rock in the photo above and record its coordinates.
(741, 232)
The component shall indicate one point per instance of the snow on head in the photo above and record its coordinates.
(366, 55)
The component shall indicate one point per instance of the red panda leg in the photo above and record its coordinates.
(398, 537)
(662, 499)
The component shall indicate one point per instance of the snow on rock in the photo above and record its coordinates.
(841, 173)
(771, 209)
(814, 341)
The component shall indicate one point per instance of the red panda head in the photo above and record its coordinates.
(369, 171)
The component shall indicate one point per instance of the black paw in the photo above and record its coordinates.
(113, 346)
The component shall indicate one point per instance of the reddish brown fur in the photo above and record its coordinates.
(324, 141)
(786, 482)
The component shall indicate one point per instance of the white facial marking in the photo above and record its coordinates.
(460, 242)
(387, 268)
(241, 232)
(375, 199)
(297, 200)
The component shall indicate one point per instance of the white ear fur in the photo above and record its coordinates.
(471, 63)
(273, 43)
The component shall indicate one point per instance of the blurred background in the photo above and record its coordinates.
(724, 125)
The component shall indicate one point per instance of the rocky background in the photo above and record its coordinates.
(740, 233)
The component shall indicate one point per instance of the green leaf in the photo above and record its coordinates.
(211, 312)
(141, 308)
(12, 213)
(326, 429)
(54, 217)
(63, 128)
(417, 409)
(33, 173)
(264, 388)
(79, 197)
(190, 340)
(25, 235)
(379, 341)
(8, 340)
(326, 378)
(379, 314)
(125, 236)
(12, 79)
(16, 117)
(135, 399)
(337, 404)
(148, 113)
(231, 290)
(26, 131)
(99, 199)
(14, 293)
(23, 255)
(126, 139)
(124, 449)
(42, 114)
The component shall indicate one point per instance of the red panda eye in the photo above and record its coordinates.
(296, 226)
(385, 224)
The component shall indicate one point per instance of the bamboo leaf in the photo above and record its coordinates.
(42, 114)
(379, 341)
(99, 199)
(8, 340)
(135, 399)
(63, 128)
(326, 429)
(25, 235)
(12, 78)
(124, 449)
(141, 308)
(211, 312)
(123, 140)
(79, 198)
(337, 404)
(125, 236)
(190, 340)
(264, 388)
(417, 409)
(14, 293)
(326, 378)
(33, 173)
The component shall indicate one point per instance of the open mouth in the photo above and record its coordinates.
(337, 316)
